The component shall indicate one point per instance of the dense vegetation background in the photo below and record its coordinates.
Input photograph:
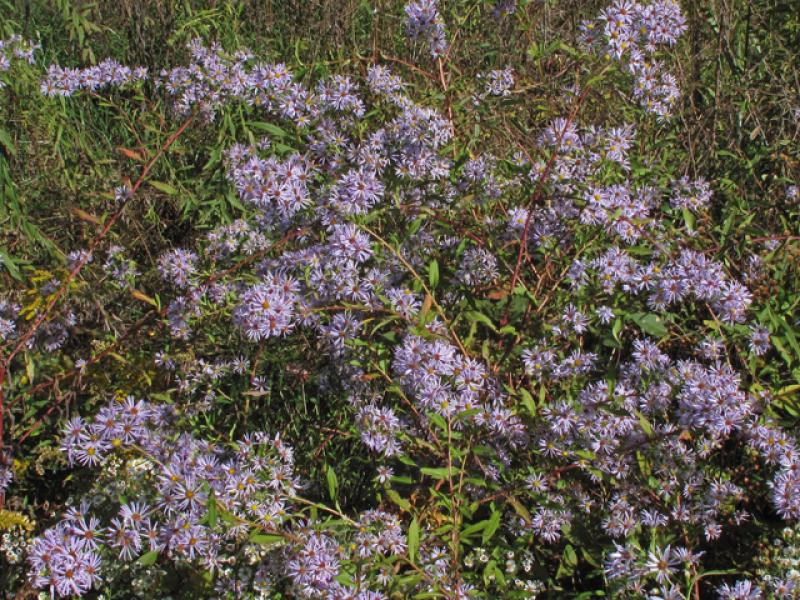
(735, 124)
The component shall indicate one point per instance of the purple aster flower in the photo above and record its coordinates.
(759, 340)
(424, 21)
(605, 314)
(741, 590)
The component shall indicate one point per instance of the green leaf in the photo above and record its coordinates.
(493, 572)
(491, 526)
(7, 143)
(644, 466)
(269, 128)
(589, 558)
(283, 148)
(407, 460)
(30, 368)
(148, 558)
(333, 482)
(478, 317)
(645, 424)
(212, 511)
(433, 273)
(415, 225)
(787, 390)
(435, 473)
(438, 420)
(569, 556)
(403, 479)
(789, 334)
(521, 510)
(616, 328)
(474, 528)
(782, 350)
(10, 266)
(398, 500)
(164, 187)
(527, 401)
(413, 539)
(266, 539)
(688, 218)
(227, 516)
(649, 323)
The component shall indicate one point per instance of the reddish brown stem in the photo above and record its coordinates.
(137, 326)
(40, 319)
(537, 192)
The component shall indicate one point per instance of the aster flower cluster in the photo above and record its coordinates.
(337, 263)
(583, 155)
(9, 312)
(504, 9)
(778, 566)
(212, 77)
(443, 381)
(6, 470)
(16, 48)
(619, 212)
(596, 390)
(607, 422)
(52, 335)
(178, 267)
(287, 193)
(64, 558)
(498, 82)
(424, 21)
(477, 267)
(744, 589)
(661, 567)
(691, 194)
(180, 479)
(759, 340)
(380, 533)
(631, 33)
(199, 378)
(688, 276)
(238, 238)
(380, 429)
(779, 449)
(267, 309)
(122, 270)
(62, 81)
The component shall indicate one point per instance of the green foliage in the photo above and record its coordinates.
(738, 126)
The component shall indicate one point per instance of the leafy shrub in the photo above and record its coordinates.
(534, 367)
